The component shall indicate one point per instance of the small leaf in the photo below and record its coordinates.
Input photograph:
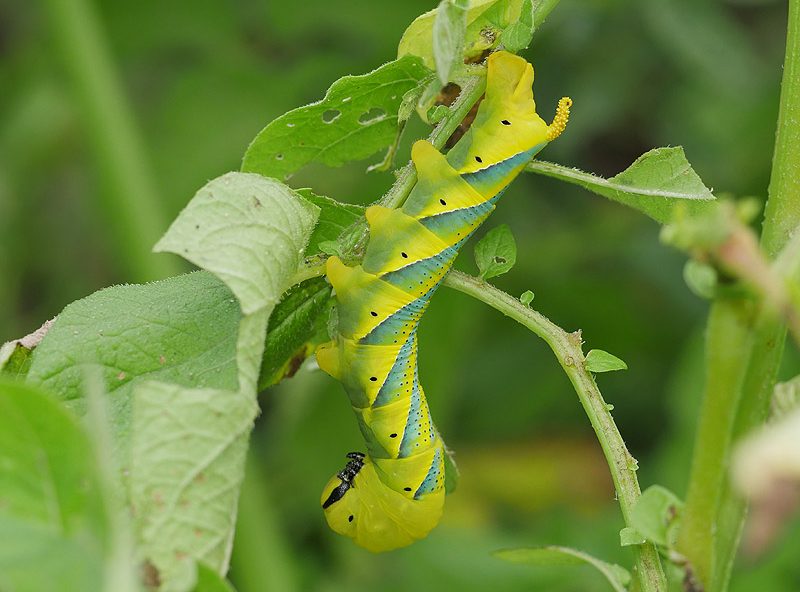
(519, 34)
(630, 536)
(655, 184)
(485, 22)
(334, 218)
(598, 360)
(526, 298)
(616, 575)
(656, 514)
(330, 247)
(297, 324)
(357, 117)
(449, 28)
(701, 278)
(496, 252)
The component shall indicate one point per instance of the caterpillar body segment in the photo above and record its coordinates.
(394, 494)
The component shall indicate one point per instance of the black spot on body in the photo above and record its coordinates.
(406, 489)
(506, 122)
(404, 255)
(393, 435)
(350, 518)
(479, 159)
(443, 202)
(373, 378)
(373, 313)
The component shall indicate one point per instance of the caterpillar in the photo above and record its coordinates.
(393, 494)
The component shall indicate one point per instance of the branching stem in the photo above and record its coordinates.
(567, 349)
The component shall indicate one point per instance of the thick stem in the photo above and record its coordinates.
(568, 351)
(129, 199)
(756, 342)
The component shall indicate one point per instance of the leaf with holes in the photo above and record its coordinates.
(357, 118)
(496, 252)
(655, 184)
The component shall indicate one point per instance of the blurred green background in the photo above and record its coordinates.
(201, 78)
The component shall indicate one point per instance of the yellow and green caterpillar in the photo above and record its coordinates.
(394, 494)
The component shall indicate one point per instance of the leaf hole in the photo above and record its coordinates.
(331, 115)
(373, 115)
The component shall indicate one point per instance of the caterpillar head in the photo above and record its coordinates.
(357, 504)
(506, 124)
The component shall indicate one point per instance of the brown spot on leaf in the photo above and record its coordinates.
(150, 576)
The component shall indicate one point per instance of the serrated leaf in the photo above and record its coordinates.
(248, 230)
(334, 218)
(53, 519)
(630, 536)
(616, 575)
(655, 515)
(655, 184)
(449, 28)
(357, 117)
(187, 465)
(598, 360)
(180, 330)
(485, 21)
(297, 324)
(496, 252)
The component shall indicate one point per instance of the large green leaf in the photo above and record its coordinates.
(53, 521)
(189, 444)
(655, 184)
(357, 117)
(187, 467)
(181, 330)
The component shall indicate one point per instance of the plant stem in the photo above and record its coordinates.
(568, 351)
(129, 199)
(714, 513)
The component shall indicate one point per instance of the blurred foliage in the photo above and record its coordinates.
(203, 77)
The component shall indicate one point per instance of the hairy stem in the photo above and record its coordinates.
(567, 349)
(714, 513)
(128, 198)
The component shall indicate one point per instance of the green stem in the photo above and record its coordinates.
(714, 513)
(129, 198)
(568, 351)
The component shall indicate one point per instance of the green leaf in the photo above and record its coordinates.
(189, 444)
(210, 581)
(496, 252)
(598, 360)
(15, 356)
(655, 184)
(519, 34)
(357, 117)
(247, 230)
(187, 465)
(52, 515)
(630, 536)
(334, 218)
(526, 298)
(485, 22)
(701, 278)
(180, 330)
(451, 472)
(656, 515)
(449, 28)
(297, 324)
(616, 575)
